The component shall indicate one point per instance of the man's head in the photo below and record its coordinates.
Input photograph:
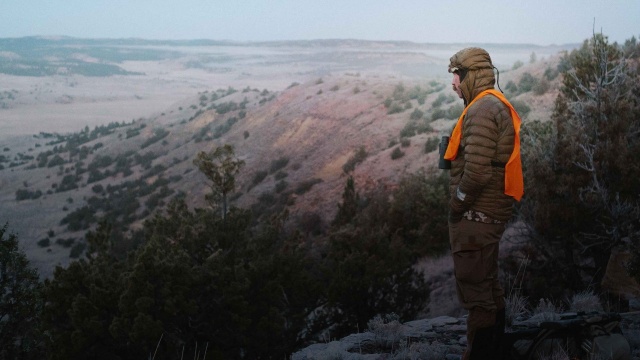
(472, 72)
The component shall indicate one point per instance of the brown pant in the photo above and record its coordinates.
(474, 247)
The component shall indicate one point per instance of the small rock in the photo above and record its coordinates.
(417, 328)
(463, 340)
(443, 320)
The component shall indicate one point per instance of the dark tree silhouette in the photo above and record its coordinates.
(220, 166)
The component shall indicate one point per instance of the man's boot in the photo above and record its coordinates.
(482, 347)
(480, 334)
(498, 334)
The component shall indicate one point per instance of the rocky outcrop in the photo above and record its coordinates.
(444, 337)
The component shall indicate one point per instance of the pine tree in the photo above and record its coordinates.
(582, 170)
(220, 166)
(349, 206)
(82, 301)
(21, 303)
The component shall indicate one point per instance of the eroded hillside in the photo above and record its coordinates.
(298, 144)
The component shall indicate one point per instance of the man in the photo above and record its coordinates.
(486, 177)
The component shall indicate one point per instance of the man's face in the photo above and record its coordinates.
(456, 84)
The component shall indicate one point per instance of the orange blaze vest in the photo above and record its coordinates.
(513, 180)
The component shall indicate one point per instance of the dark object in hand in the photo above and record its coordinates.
(442, 162)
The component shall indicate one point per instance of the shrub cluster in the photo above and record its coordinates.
(529, 83)
(195, 270)
(397, 153)
(306, 185)
(278, 164)
(158, 134)
(431, 144)
(358, 156)
(25, 194)
(582, 172)
(414, 127)
(402, 97)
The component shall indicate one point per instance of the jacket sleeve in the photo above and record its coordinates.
(480, 138)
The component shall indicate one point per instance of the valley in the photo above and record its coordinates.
(78, 147)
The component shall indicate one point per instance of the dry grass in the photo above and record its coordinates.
(516, 308)
(422, 351)
(387, 331)
(546, 310)
(559, 353)
(198, 354)
(516, 303)
(585, 301)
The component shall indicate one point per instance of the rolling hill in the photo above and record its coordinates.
(351, 112)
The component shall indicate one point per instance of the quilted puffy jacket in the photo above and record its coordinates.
(486, 144)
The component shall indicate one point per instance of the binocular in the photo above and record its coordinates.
(442, 162)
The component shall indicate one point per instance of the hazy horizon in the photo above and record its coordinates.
(541, 23)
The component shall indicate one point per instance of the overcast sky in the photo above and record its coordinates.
(541, 22)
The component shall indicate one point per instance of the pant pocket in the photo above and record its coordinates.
(468, 266)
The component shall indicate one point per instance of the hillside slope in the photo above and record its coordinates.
(55, 187)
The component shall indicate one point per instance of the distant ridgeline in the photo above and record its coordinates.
(46, 56)
(37, 56)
